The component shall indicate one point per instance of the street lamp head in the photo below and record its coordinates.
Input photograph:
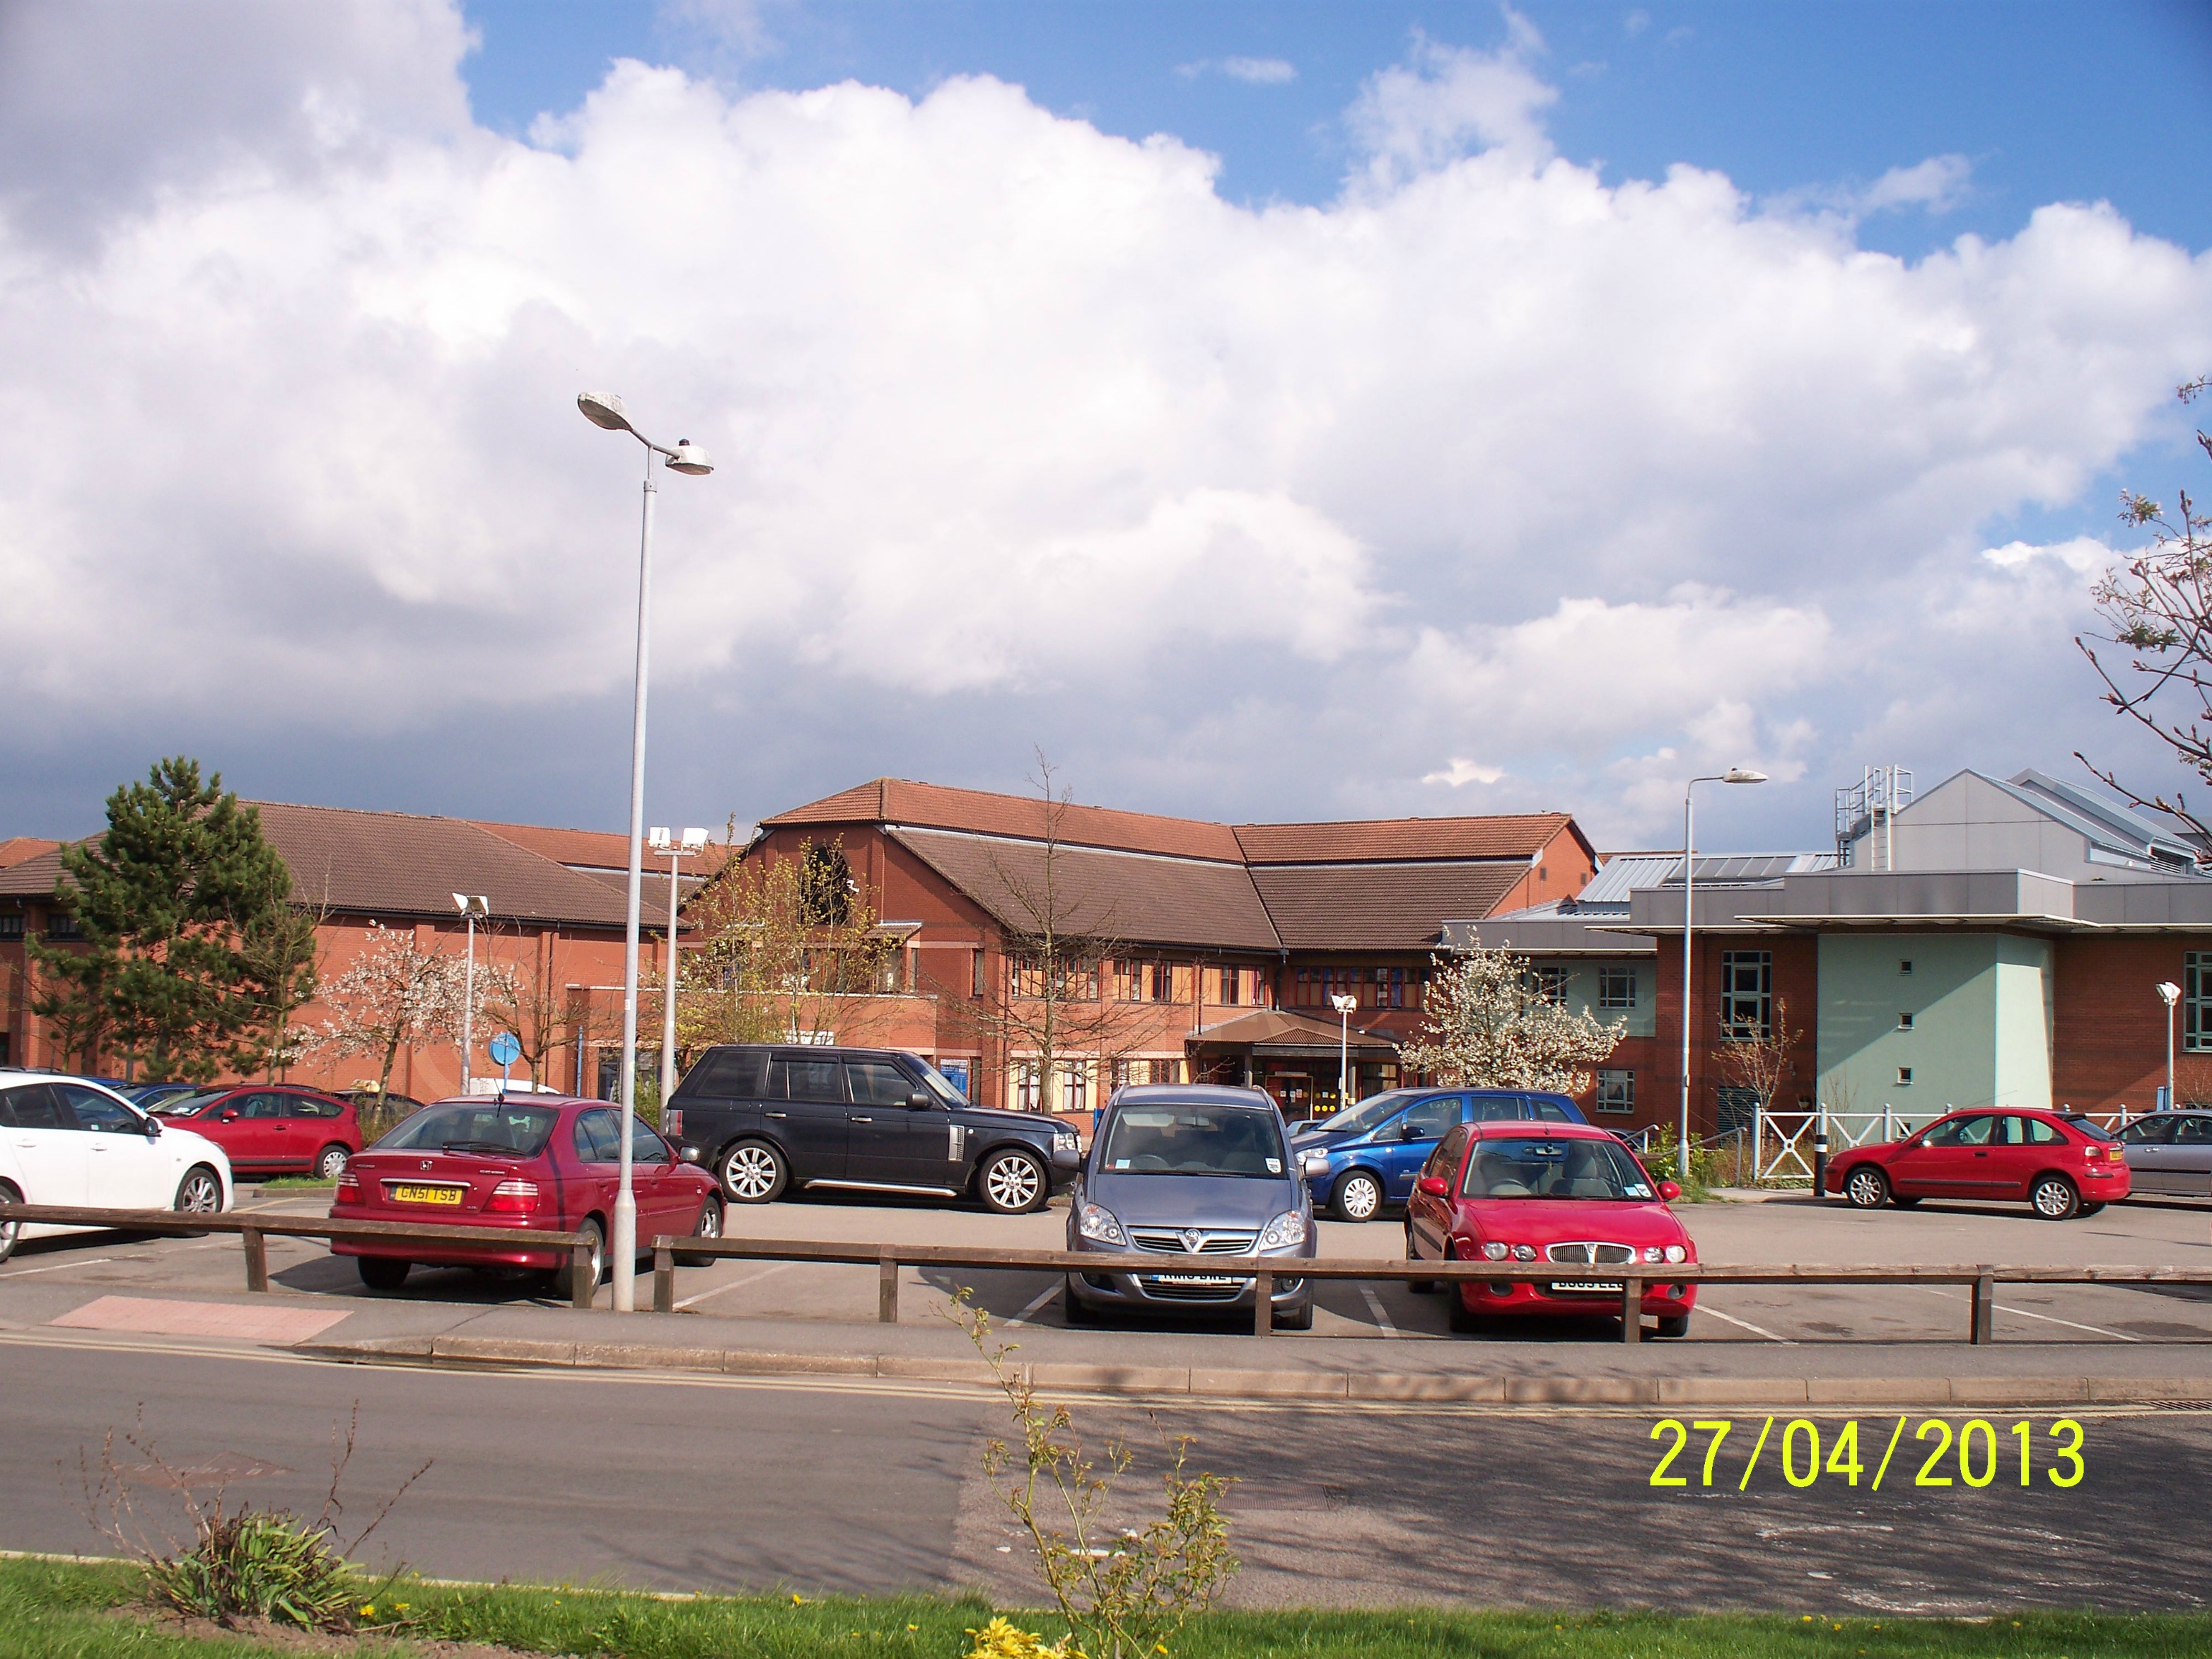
(474, 905)
(694, 840)
(1344, 1004)
(2169, 994)
(1742, 774)
(689, 460)
(604, 408)
(657, 839)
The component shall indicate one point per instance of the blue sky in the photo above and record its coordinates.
(1267, 411)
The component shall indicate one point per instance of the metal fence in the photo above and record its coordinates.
(1782, 1142)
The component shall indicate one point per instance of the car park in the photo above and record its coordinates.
(2062, 1163)
(1522, 1193)
(1193, 1170)
(768, 1119)
(530, 1162)
(1374, 1151)
(271, 1128)
(2169, 1154)
(65, 1140)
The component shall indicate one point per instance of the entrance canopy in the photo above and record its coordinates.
(1276, 1034)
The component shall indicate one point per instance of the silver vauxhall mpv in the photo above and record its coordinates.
(1192, 1168)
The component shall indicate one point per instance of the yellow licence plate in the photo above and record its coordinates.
(451, 1195)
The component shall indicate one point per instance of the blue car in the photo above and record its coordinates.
(1374, 1151)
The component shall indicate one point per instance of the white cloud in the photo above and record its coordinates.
(1259, 71)
(1025, 432)
(1461, 773)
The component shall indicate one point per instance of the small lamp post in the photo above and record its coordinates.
(1344, 1006)
(1734, 774)
(2170, 994)
(472, 907)
(694, 842)
(605, 410)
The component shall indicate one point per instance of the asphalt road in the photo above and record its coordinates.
(722, 1483)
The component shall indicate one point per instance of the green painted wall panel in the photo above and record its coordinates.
(1980, 1032)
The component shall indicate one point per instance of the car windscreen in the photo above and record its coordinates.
(940, 1084)
(2089, 1127)
(494, 1127)
(1194, 1140)
(188, 1105)
(1359, 1120)
(1534, 1168)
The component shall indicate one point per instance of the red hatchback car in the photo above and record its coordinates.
(271, 1128)
(2061, 1163)
(1561, 1192)
(533, 1163)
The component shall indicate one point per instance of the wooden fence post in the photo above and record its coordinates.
(257, 1259)
(887, 1288)
(664, 1277)
(1263, 1304)
(1985, 1305)
(1631, 1310)
(583, 1286)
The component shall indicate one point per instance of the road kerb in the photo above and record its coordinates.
(1733, 1390)
(1270, 1385)
(1111, 1379)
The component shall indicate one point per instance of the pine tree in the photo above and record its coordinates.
(166, 901)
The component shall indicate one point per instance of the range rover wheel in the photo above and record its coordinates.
(754, 1172)
(1357, 1197)
(1012, 1182)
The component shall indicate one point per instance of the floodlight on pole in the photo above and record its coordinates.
(606, 410)
(1734, 774)
(471, 906)
(2170, 994)
(1344, 1006)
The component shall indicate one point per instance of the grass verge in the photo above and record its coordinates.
(64, 1610)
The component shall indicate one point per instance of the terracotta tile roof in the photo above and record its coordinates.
(1131, 898)
(593, 849)
(400, 864)
(16, 848)
(934, 807)
(1383, 840)
(1281, 1030)
(1377, 907)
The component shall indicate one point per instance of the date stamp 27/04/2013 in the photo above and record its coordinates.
(1971, 1455)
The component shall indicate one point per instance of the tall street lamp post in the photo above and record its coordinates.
(473, 908)
(606, 410)
(1734, 774)
(2169, 994)
(1344, 1006)
(694, 842)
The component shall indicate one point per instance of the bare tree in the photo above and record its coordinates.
(1757, 1058)
(531, 1001)
(395, 992)
(2158, 606)
(1052, 1006)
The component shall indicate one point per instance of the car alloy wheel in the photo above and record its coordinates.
(753, 1173)
(8, 1230)
(1358, 1196)
(331, 1162)
(199, 1192)
(708, 1225)
(1012, 1182)
(2054, 1199)
(595, 1260)
(1866, 1187)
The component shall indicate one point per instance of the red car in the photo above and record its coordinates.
(534, 1162)
(271, 1128)
(1557, 1192)
(2061, 1163)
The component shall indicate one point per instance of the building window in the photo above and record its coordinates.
(1616, 1091)
(61, 925)
(1746, 995)
(1163, 978)
(1551, 986)
(1230, 984)
(1022, 1085)
(1904, 965)
(2196, 1001)
(1905, 1077)
(1904, 1022)
(11, 923)
(1616, 987)
(975, 977)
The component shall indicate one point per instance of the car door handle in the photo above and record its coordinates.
(775, 1113)
(850, 1118)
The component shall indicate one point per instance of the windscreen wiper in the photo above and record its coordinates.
(500, 1146)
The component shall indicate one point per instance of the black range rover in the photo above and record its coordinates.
(766, 1118)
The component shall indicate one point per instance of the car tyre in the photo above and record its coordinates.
(2090, 1209)
(9, 1230)
(1075, 1309)
(2054, 1197)
(595, 1255)
(1357, 1197)
(1418, 1286)
(708, 1225)
(380, 1272)
(755, 1172)
(199, 1192)
(1903, 1202)
(1300, 1321)
(331, 1162)
(1673, 1325)
(1012, 1182)
(1459, 1317)
(1866, 1187)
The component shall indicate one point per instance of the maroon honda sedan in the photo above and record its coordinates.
(534, 1162)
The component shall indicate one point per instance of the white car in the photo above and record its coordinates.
(64, 1141)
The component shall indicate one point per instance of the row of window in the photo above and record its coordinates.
(1131, 980)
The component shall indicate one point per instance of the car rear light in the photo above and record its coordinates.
(348, 1186)
(671, 1122)
(513, 1198)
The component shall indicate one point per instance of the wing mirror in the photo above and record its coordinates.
(1668, 1192)
(151, 1127)
(226, 1117)
(1435, 1186)
(919, 1102)
(690, 1154)
(1411, 1131)
(1313, 1163)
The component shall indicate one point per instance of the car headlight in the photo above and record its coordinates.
(1096, 1221)
(1524, 1252)
(1676, 1253)
(1495, 1251)
(1653, 1253)
(1064, 1140)
(1286, 1229)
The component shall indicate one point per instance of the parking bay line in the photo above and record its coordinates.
(1745, 1324)
(1375, 1307)
(54, 1267)
(1031, 1310)
(2047, 1319)
(735, 1284)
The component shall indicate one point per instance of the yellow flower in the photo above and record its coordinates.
(369, 1613)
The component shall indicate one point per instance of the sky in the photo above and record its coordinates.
(1260, 411)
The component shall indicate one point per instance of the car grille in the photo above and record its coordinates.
(1588, 1253)
(1160, 1288)
(1208, 1243)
